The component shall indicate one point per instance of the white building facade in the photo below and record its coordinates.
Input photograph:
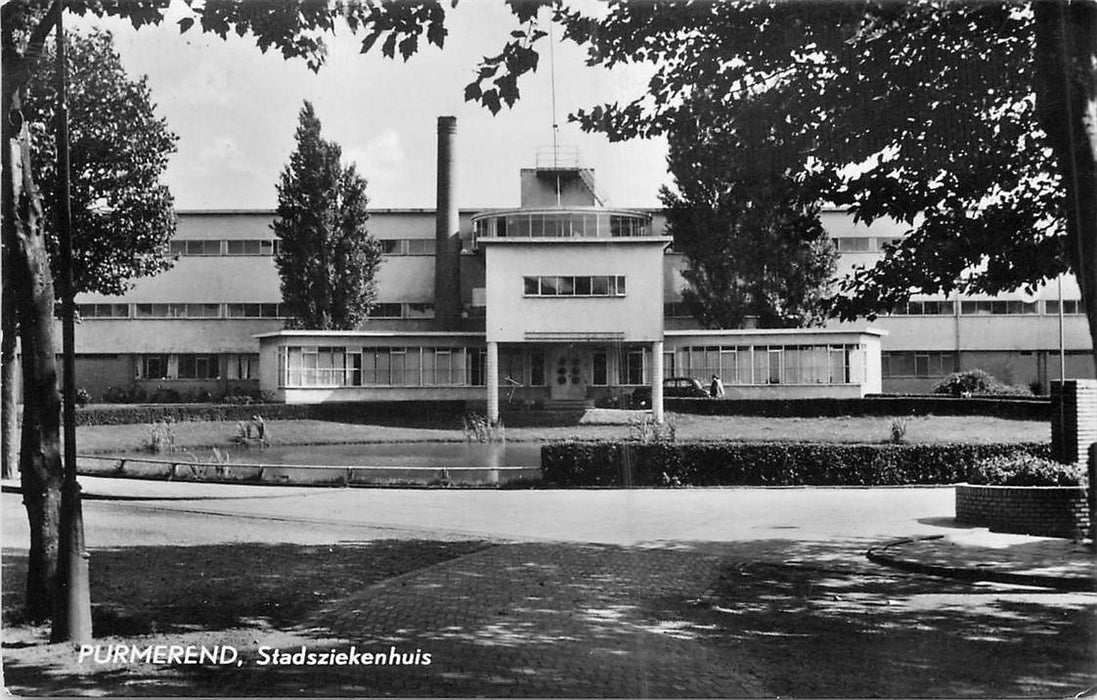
(560, 302)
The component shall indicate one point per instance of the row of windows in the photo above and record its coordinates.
(863, 244)
(561, 225)
(917, 364)
(271, 246)
(208, 247)
(402, 310)
(925, 308)
(311, 366)
(988, 308)
(234, 310)
(559, 286)
(198, 366)
(591, 286)
(765, 364)
(341, 366)
(408, 246)
(179, 310)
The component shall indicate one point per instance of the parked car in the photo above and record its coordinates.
(673, 387)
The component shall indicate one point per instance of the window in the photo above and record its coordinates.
(420, 246)
(998, 307)
(918, 364)
(152, 310)
(477, 358)
(632, 369)
(249, 247)
(536, 368)
(242, 366)
(676, 309)
(601, 368)
(203, 310)
(926, 308)
(152, 367)
(254, 310)
(208, 247)
(198, 367)
(1070, 306)
(420, 311)
(87, 311)
(568, 286)
(386, 310)
(853, 245)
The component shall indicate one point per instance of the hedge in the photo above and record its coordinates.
(766, 463)
(998, 407)
(406, 412)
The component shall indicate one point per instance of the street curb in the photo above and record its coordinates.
(878, 555)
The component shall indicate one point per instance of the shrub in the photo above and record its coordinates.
(898, 430)
(766, 463)
(977, 382)
(161, 438)
(1025, 470)
(83, 398)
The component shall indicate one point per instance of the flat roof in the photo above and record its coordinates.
(295, 333)
(778, 331)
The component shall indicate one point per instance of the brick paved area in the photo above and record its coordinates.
(534, 620)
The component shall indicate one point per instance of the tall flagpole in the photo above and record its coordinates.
(72, 598)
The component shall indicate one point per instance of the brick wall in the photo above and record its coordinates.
(1073, 419)
(1048, 511)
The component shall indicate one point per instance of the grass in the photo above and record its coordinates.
(690, 428)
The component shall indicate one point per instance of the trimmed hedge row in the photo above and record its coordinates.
(766, 463)
(406, 412)
(997, 407)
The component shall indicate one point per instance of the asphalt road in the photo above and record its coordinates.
(164, 513)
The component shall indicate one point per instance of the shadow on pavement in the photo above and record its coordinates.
(951, 523)
(756, 618)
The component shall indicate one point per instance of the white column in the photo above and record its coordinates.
(491, 369)
(657, 381)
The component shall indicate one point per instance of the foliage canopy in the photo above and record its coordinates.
(328, 261)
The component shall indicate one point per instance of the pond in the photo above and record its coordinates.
(409, 463)
(490, 455)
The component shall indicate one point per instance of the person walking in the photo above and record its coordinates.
(716, 389)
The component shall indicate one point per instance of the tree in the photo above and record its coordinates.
(328, 261)
(122, 215)
(970, 122)
(746, 217)
(294, 28)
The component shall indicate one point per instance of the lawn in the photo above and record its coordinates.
(973, 429)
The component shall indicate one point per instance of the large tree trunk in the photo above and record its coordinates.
(1066, 94)
(9, 422)
(40, 452)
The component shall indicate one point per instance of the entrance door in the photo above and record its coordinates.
(569, 376)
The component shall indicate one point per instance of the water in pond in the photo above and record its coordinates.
(412, 454)
(422, 463)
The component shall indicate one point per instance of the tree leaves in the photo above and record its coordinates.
(746, 217)
(328, 261)
(122, 214)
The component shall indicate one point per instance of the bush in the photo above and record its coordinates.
(977, 382)
(898, 430)
(1025, 470)
(161, 438)
(766, 463)
(83, 398)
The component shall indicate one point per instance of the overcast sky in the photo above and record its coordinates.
(235, 111)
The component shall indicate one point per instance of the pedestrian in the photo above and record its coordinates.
(716, 389)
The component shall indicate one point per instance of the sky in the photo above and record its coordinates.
(235, 111)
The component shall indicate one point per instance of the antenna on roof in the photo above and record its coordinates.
(552, 73)
(555, 125)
